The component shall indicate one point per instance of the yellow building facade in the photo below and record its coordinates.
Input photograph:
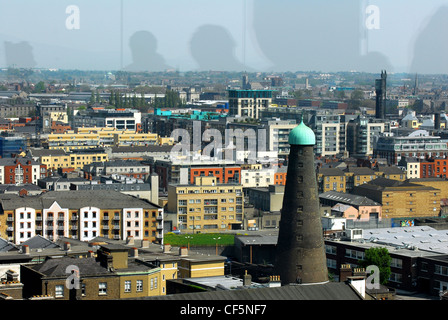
(206, 206)
(85, 138)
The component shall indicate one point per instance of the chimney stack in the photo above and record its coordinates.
(183, 251)
(67, 246)
(145, 243)
(130, 241)
(247, 279)
(134, 253)
(25, 249)
(166, 248)
(344, 272)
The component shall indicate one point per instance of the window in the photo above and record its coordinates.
(59, 291)
(102, 288)
(127, 286)
(139, 285)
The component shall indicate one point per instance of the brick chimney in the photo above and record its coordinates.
(134, 253)
(183, 251)
(166, 248)
(344, 272)
(130, 240)
(25, 249)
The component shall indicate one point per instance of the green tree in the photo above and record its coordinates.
(39, 87)
(379, 257)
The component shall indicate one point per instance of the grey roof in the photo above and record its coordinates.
(56, 267)
(140, 149)
(383, 183)
(76, 200)
(359, 170)
(14, 187)
(258, 239)
(389, 170)
(41, 152)
(7, 246)
(423, 238)
(326, 291)
(347, 198)
(331, 171)
(12, 161)
(39, 242)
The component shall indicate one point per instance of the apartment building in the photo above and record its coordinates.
(121, 119)
(254, 175)
(129, 168)
(84, 138)
(362, 134)
(331, 179)
(249, 103)
(206, 206)
(21, 171)
(81, 215)
(402, 199)
(419, 144)
(185, 172)
(56, 159)
(411, 166)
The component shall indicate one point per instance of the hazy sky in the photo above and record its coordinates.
(262, 35)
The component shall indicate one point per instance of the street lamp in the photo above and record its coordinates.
(188, 239)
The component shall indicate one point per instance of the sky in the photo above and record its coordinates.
(228, 35)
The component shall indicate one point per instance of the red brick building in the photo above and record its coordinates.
(21, 170)
(434, 168)
(222, 174)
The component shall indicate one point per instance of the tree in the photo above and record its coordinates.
(39, 87)
(379, 257)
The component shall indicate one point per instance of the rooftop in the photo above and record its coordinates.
(347, 198)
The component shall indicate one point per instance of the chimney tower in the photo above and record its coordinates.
(300, 252)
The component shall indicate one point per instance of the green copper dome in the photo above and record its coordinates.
(302, 135)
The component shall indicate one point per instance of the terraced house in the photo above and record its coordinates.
(81, 215)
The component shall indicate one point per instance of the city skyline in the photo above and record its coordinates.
(226, 36)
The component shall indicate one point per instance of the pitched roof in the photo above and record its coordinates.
(39, 242)
(348, 198)
(359, 170)
(56, 267)
(75, 200)
(325, 291)
(7, 246)
(331, 172)
(389, 170)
